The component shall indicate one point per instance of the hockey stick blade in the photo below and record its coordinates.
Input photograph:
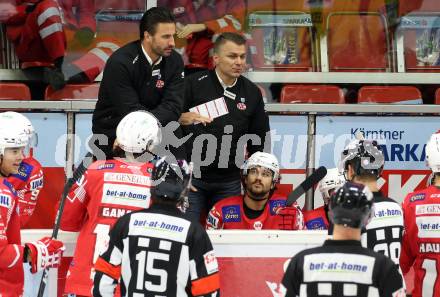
(77, 174)
(307, 184)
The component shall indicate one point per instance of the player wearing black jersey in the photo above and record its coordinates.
(342, 267)
(156, 251)
(362, 161)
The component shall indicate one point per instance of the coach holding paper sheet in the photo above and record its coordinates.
(224, 114)
(146, 74)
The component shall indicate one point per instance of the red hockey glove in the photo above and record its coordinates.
(291, 218)
(44, 253)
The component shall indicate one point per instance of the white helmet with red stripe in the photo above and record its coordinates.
(432, 150)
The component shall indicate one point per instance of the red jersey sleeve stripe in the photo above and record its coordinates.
(203, 286)
(107, 268)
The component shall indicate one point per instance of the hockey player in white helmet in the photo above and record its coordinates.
(42, 254)
(317, 219)
(363, 161)
(108, 190)
(28, 181)
(258, 208)
(421, 243)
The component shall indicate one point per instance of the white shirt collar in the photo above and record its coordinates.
(222, 83)
(149, 59)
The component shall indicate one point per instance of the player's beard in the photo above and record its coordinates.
(257, 196)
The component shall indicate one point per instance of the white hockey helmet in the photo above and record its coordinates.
(138, 131)
(16, 119)
(12, 137)
(333, 180)
(265, 160)
(432, 150)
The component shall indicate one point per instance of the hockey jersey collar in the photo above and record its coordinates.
(166, 209)
(332, 242)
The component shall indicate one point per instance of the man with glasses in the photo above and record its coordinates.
(258, 208)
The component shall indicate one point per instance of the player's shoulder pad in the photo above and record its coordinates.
(33, 162)
(382, 198)
(102, 164)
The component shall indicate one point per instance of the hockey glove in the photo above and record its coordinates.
(44, 253)
(290, 218)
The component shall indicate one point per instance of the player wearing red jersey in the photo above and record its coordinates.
(29, 180)
(257, 208)
(421, 239)
(108, 190)
(317, 219)
(42, 254)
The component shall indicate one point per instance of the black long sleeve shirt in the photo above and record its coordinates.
(246, 115)
(130, 83)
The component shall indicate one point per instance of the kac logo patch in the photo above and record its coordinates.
(160, 84)
(258, 225)
(231, 214)
(241, 106)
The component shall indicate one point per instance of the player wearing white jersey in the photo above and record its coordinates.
(362, 161)
(342, 267)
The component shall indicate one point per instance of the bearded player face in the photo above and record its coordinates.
(259, 182)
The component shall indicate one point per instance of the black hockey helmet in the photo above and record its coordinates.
(170, 179)
(365, 156)
(351, 205)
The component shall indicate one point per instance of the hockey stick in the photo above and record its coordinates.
(185, 192)
(307, 184)
(77, 174)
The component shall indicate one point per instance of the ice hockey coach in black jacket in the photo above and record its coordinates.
(228, 106)
(143, 75)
